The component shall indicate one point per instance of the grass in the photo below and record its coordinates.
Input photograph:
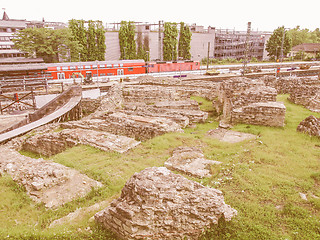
(262, 179)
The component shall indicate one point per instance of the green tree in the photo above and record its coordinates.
(143, 47)
(127, 40)
(79, 33)
(101, 41)
(51, 45)
(91, 39)
(170, 41)
(300, 36)
(92, 43)
(184, 41)
(275, 42)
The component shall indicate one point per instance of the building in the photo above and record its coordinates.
(310, 50)
(232, 44)
(199, 41)
(8, 27)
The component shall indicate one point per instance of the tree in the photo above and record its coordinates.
(92, 39)
(300, 36)
(143, 48)
(275, 42)
(79, 33)
(101, 41)
(184, 41)
(51, 45)
(170, 41)
(127, 40)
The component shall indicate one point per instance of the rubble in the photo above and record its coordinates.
(225, 135)
(191, 161)
(310, 125)
(45, 181)
(158, 204)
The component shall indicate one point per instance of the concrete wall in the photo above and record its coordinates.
(199, 45)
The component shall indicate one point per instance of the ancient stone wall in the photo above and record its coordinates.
(261, 113)
(158, 204)
(243, 100)
(52, 143)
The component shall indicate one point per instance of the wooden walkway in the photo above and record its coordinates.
(70, 105)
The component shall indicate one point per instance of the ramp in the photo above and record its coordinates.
(55, 109)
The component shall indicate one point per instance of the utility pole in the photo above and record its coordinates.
(208, 56)
(246, 49)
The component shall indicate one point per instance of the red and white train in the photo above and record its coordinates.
(114, 68)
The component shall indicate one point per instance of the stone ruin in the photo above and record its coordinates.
(158, 204)
(250, 101)
(148, 108)
(303, 90)
(48, 144)
(191, 161)
(310, 125)
(45, 181)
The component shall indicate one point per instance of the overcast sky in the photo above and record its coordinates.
(232, 14)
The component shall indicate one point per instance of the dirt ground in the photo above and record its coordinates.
(8, 120)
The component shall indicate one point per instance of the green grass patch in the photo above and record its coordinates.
(262, 179)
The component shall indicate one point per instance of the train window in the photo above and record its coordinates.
(121, 64)
(61, 76)
(87, 67)
(130, 69)
(109, 74)
(72, 67)
(102, 74)
(80, 67)
(109, 65)
(94, 66)
(58, 68)
(115, 65)
(64, 68)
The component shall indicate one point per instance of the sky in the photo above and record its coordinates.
(223, 14)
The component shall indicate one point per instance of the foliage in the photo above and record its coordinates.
(300, 36)
(101, 41)
(49, 44)
(170, 41)
(184, 41)
(127, 40)
(79, 34)
(216, 61)
(91, 39)
(275, 42)
(143, 51)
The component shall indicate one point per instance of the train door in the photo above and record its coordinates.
(120, 72)
(61, 75)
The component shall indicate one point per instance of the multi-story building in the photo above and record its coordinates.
(232, 44)
(8, 28)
